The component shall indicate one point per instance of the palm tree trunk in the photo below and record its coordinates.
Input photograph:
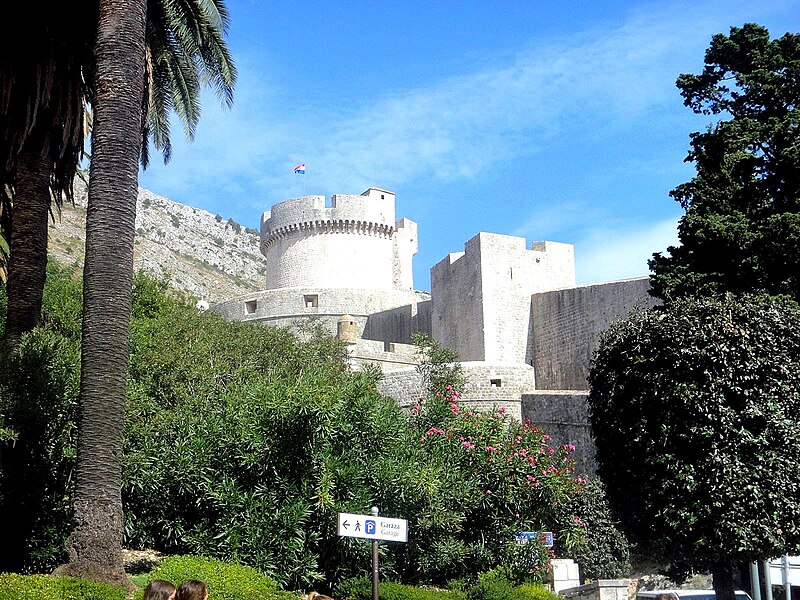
(95, 543)
(28, 262)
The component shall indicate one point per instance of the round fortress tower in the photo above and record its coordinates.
(355, 243)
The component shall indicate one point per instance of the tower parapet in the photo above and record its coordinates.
(353, 243)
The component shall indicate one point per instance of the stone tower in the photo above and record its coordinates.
(353, 244)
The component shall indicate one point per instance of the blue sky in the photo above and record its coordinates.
(547, 120)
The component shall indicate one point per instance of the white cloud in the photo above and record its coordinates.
(610, 254)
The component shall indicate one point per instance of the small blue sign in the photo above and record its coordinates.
(369, 527)
(526, 536)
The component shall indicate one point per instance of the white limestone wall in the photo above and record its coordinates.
(287, 307)
(510, 275)
(347, 245)
(457, 303)
(482, 297)
(488, 386)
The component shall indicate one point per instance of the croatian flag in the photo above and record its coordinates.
(301, 168)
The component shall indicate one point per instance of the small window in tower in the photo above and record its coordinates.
(250, 307)
(495, 382)
(388, 346)
(311, 301)
(382, 198)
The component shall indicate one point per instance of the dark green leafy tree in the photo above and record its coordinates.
(741, 228)
(696, 414)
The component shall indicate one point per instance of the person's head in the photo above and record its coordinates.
(158, 589)
(192, 590)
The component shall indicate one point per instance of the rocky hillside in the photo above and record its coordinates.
(211, 257)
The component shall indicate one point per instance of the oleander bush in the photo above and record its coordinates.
(45, 587)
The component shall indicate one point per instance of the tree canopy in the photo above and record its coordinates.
(741, 228)
(696, 415)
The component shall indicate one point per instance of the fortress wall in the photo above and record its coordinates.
(387, 356)
(369, 208)
(488, 386)
(405, 245)
(564, 416)
(565, 325)
(397, 324)
(319, 258)
(457, 302)
(282, 307)
(510, 273)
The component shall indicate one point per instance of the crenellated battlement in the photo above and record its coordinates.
(347, 226)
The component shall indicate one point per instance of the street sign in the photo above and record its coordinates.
(371, 527)
(526, 536)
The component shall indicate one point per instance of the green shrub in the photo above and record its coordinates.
(361, 589)
(38, 404)
(243, 443)
(44, 587)
(224, 581)
(603, 551)
(495, 589)
(534, 591)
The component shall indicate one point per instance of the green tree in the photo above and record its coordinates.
(696, 415)
(184, 49)
(741, 227)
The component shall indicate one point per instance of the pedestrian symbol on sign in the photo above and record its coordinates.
(369, 527)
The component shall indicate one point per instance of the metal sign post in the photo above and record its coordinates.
(372, 528)
(375, 577)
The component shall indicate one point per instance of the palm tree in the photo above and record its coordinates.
(42, 97)
(95, 542)
(185, 48)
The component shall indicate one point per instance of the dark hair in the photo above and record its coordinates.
(158, 589)
(191, 590)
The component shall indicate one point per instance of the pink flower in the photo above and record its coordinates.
(502, 410)
(491, 448)
(531, 478)
(454, 408)
(468, 444)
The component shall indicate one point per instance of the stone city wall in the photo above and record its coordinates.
(481, 297)
(487, 386)
(564, 415)
(566, 324)
(283, 307)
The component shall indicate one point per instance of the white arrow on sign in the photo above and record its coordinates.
(370, 527)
